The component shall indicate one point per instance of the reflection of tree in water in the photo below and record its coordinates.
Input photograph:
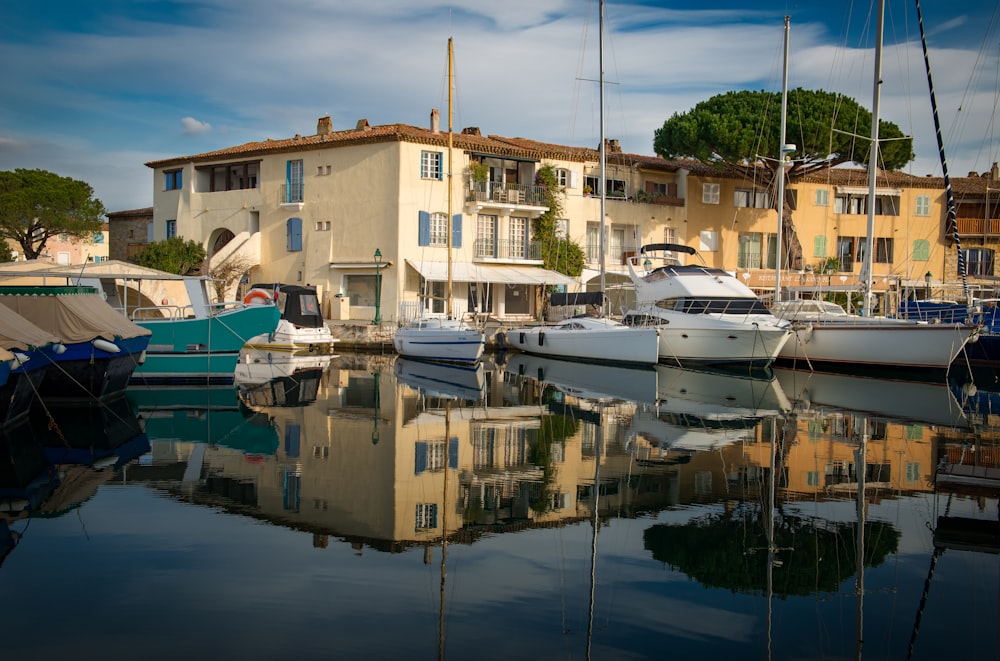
(553, 429)
(730, 551)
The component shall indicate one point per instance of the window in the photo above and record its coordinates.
(845, 253)
(439, 229)
(593, 243)
(616, 249)
(812, 478)
(486, 236)
(912, 471)
(293, 234)
(426, 516)
(850, 204)
(710, 193)
(819, 246)
(921, 250)
(518, 237)
(563, 177)
(750, 250)
(294, 181)
(593, 184)
(171, 229)
(922, 205)
(750, 198)
(887, 205)
(883, 251)
(978, 261)
(360, 289)
(174, 179)
(430, 165)
(822, 197)
(98, 237)
(616, 188)
(669, 235)
(709, 240)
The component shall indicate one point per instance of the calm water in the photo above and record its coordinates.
(377, 508)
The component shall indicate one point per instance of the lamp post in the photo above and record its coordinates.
(927, 283)
(378, 288)
(376, 406)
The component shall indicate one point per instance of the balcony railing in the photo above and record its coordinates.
(506, 194)
(504, 249)
(290, 194)
(976, 226)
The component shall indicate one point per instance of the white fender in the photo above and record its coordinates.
(104, 345)
(20, 358)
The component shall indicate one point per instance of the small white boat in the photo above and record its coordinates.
(301, 328)
(595, 339)
(828, 335)
(704, 315)
(445, 340)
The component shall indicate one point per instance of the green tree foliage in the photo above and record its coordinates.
(736, 130)
(739, 132)
(558, 254)
(175, 255)
(6, 254)
(36, 205)
(729, 551)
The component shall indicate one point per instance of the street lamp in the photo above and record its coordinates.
(927, 283)
(378, 288)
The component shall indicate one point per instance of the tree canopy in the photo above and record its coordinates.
(736, 130)
(36, 205)
(174, 255)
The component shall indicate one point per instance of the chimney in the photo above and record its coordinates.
(471, 130)
(324, 126)
(363, 125)
(994, 173)
(435, 121)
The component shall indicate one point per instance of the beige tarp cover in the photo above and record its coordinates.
(74, 317)
(16, 332)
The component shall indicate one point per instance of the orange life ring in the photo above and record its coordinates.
(257, 296)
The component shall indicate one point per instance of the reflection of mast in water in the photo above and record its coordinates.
(595, 524)
(444, 525)
(860, 463)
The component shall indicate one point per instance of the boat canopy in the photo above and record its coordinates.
(577, 298)
(298, 304)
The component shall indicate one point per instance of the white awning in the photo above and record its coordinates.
(498, 273)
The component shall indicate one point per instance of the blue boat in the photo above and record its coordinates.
(101, 348)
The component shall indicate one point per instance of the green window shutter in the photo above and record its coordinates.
(921, 250)
(819, 246)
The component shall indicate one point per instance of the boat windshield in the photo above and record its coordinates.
(714, 305)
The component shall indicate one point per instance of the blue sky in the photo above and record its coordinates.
(92, 90)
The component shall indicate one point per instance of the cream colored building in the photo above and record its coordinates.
(335, 208)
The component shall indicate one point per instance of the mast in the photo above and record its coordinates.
(451, 138)
(782, 150)
(866, 268)
(603, 153)
(949, 196)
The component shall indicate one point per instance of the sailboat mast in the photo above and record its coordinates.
(603, 151)
(873, 158)
(451, 139)
(781, 170)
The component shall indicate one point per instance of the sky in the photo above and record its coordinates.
(93, 90)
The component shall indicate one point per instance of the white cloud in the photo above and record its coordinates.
(193, 126)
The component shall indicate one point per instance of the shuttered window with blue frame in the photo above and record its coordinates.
(424, 229)
(293, 231)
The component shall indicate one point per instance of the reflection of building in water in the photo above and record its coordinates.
(366, 461)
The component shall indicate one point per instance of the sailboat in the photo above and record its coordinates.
(442, 339)
(830, 337)
(586, 337)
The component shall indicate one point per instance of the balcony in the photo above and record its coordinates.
(977, 227)
(487, 193)
(503, 250)
(291, 195)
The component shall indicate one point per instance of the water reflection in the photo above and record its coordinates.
(778, 494)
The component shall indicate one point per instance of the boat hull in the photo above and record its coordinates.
(613, 344)
(201, 350)
(294, 340)
(451, 344)
(901, 345)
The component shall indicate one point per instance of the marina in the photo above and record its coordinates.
(367, 506)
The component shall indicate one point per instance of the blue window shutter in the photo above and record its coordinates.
(292, 436)
(453, 452)
(456, 230)
(424, 229)
(420, 461)
(294, 234)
